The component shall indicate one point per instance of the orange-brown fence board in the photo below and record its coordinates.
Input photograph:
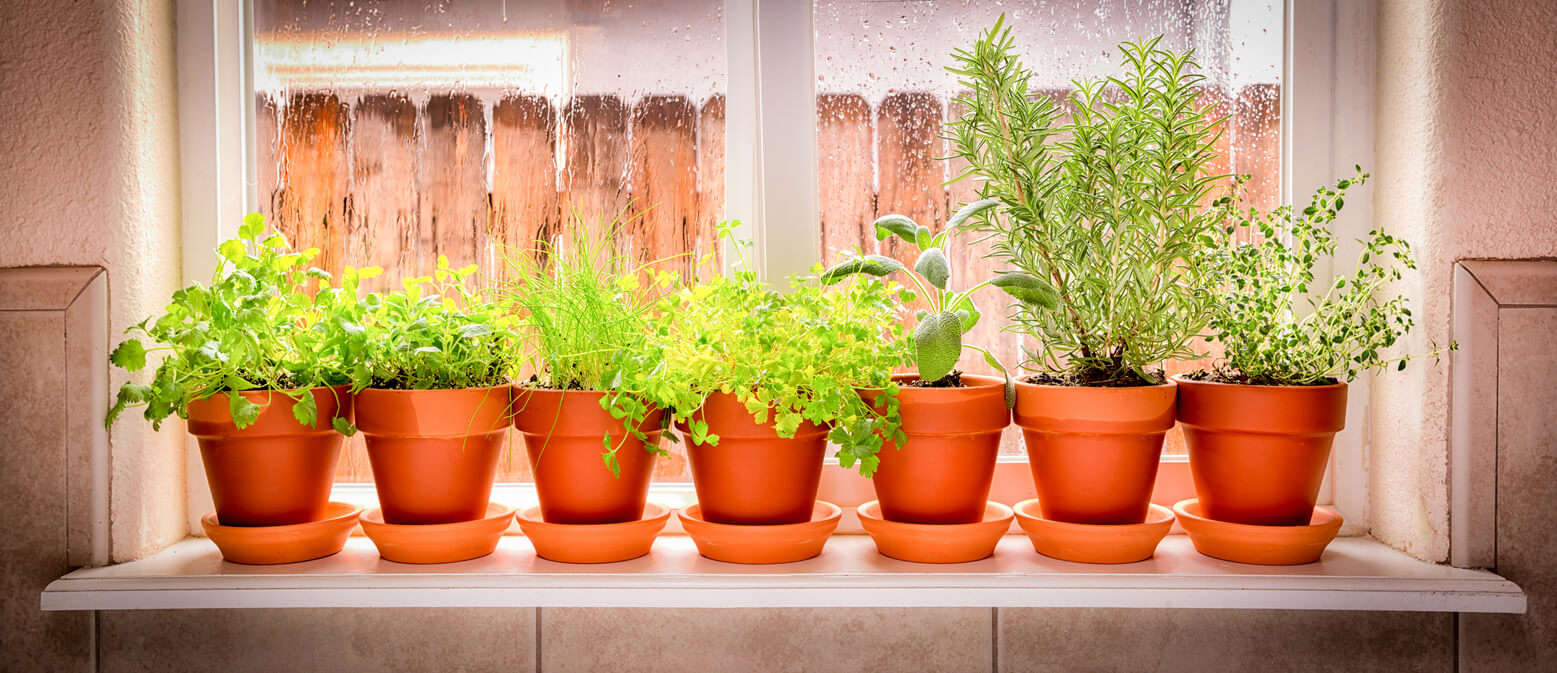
(845, 174)
(453, 183)
(384, 210)
(525, 209)
(664, 181)
(311, 202)
(710, 186)
(594, 175)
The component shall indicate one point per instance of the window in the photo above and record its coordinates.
(387, 133)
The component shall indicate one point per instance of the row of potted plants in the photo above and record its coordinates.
(1123, 247)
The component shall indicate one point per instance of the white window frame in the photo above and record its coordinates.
(1327, 93)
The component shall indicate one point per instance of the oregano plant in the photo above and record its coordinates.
(951, 314)
(789, 357)
(1101, 218)
(267, 321)
(1283, 326)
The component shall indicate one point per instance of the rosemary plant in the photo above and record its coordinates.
(1101, 218)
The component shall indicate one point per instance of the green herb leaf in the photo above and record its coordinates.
(343, 426)
(968, 211)
(933, 266)
(875, 265)
(130, 355)
(938, 340)
(901, 225)
(243, 412)
(1028, 289)
(306, 410)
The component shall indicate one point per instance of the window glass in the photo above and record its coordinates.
(884, 96)
(391, 132)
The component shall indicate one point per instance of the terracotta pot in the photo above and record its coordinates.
(276, 471)
(563, 433)
(1094, 451)
(1258, 453)
(434, 452)
(941, 475)
(753, 476)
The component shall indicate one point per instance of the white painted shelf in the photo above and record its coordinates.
(1355, 574)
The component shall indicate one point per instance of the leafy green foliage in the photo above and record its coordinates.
(267, 321)
(1100, 218)
(437, 333)
(1259, 286)
(789, 357)
(938, 336)
(583, 312)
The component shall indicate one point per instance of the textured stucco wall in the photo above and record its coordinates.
(1467, 147)
(89, 168)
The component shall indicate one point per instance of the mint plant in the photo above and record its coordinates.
(437, 333)
(266, 321)
(938, 335)
(583, 313)
(792, 357)
(1100, 219)
(1342, 328)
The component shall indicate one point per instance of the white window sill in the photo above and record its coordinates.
(1355, 574)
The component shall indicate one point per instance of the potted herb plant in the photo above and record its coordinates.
(760, 380)
(1260, 424)
(433, 398)
(1100, 221)
(590, 419)
(256, 361)
(941, 472)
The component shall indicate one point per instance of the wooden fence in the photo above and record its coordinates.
(384, 181)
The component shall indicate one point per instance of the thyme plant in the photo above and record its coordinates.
(789, 357)
(1342, 328)
(266, 321)
(1101, 218)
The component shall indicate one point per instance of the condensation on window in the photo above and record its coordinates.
(884, 97)
(389, 133)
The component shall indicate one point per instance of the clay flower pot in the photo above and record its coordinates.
(753, 476)
(563, 433)
(434, 452)
(276, 471)
(1258, 453)
(1094, 451)
(941, 475)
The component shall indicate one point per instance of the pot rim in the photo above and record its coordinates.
(435, 390)
(1259, 386)
(985, 381)
(1047, 386)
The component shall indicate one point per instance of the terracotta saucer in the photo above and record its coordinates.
(782, 543)
(1262, 545)
(936, 543)
(1093, 543)
(437, 542)
(593, 543)
(267, 545)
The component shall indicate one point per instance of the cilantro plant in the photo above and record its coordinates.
(583, 313)
(267, 321)
(438, 333)
(789, 357)
(1100, 219)
(938, 336)
(1343, 328)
